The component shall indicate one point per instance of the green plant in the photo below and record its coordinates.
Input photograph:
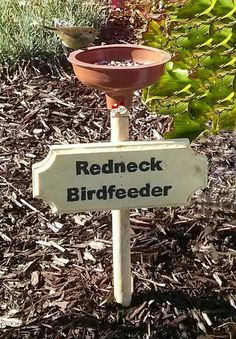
(198, 86)
(21, 35)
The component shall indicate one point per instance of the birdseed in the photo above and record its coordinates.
(123, 63)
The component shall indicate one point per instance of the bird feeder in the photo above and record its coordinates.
(120, 174)
(119, 83)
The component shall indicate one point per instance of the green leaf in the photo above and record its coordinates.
(209, 9)
(231, 62)
(206, 43)
(170, 82)
(198, 85)
(171, 108)
(155, 34)
(227, 120)
(185, 89)
(199, 109)
(218, 92)
(214, 61)
(224, 42)
(154, 27)
(222, 36)
(192, 8)
(204, 73)
(224, 7)
(185, 127)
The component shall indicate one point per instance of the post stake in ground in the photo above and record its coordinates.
(120, 221)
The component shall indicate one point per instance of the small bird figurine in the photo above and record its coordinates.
(75, 37)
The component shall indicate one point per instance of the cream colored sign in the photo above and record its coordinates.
(106, 176)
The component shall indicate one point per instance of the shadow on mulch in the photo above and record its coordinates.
(211, 305)
(87, 326)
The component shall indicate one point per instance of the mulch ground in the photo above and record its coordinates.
(56, 271)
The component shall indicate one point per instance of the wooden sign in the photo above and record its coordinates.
(107, 176)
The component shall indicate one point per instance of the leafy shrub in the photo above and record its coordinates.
(21, 35)
(198, 86)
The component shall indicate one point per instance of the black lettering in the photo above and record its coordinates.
(90, 194)
(72, 194)
(83, 193)
(81, 167)
(95, 169)
(111, 190)
(119, 167)
(144, 166)
(166, 189)
(120, 193)
(102, 193)
(156, 191)
(108, 167)
(155, 165)
(132, 192)
(145, 191)
(132, 167)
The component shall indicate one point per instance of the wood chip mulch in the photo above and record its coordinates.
(56, 271)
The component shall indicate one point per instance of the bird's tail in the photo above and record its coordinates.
(50, 28)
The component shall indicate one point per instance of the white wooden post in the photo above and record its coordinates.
(120, 221)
